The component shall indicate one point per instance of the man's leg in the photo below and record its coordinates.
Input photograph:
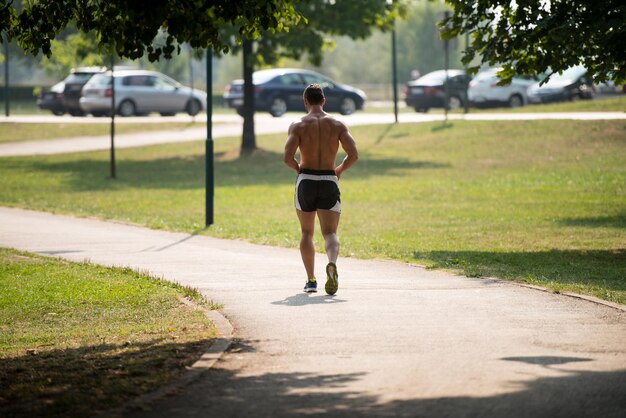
(307, 248)
(329, 221)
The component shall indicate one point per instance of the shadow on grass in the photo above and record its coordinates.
(78, 382)
(188, 172)
(617, 221)
(605, 268)
(384, 133)
(227, 393)
(442, 127)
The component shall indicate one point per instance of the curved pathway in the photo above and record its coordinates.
(397, 340)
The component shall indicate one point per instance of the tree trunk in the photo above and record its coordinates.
(248, 139)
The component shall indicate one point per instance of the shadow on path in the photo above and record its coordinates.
(82, 382)
(226, 393)
(547, 361)
(301, 299)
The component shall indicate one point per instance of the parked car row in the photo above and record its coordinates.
(483, 90)
(140, 92)
(137, 93)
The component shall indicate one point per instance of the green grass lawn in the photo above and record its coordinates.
(77, 338)
(604, 104)
(542, 202)
(29, 107)
(615, 103)
(15, 132)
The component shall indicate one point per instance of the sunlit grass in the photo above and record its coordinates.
(615, 103)
(77, 338)
(16, 132)
(542, 202)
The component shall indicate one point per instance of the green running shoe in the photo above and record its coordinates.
(332, 282)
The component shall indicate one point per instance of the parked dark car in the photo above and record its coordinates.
(573, 84)
(280, 90)
(73, 86)
(52, 99)
(64, 96)
(430, 90)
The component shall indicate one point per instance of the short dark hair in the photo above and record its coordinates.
(314, 94)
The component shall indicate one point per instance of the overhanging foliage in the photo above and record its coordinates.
(130, 27)
(544, 36)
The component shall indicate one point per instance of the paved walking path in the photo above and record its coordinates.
(231, 126)
(397, 340)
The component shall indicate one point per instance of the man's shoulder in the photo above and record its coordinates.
(296, 125)
(309, 120)
(304, 121)
(337, 124)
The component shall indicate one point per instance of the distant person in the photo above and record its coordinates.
(318, 136)
(415, 74)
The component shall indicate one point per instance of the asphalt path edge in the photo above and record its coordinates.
(213, 353)
(587, 298)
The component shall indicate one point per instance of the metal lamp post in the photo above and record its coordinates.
(394, 69)
(112, 116)
(7, 112)
(209, 177)
(447, 83)
(394, 73)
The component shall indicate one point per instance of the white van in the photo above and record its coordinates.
(484, 91)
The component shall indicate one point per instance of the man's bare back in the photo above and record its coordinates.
(318, 136)
(319, 141)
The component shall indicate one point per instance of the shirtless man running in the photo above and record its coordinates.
(318, 136)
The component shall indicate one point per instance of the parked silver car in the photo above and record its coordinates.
(140, 92)
(484, 91)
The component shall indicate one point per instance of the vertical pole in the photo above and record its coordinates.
(446, 85)
(248, 139)
(394, 72)
(209, 176)
(7, 106)
(112, 116)
(191, 76)
(466, 101)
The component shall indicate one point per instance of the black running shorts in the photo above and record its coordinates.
(317, 189)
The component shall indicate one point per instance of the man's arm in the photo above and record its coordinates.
(291, 146)
(352, 155)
